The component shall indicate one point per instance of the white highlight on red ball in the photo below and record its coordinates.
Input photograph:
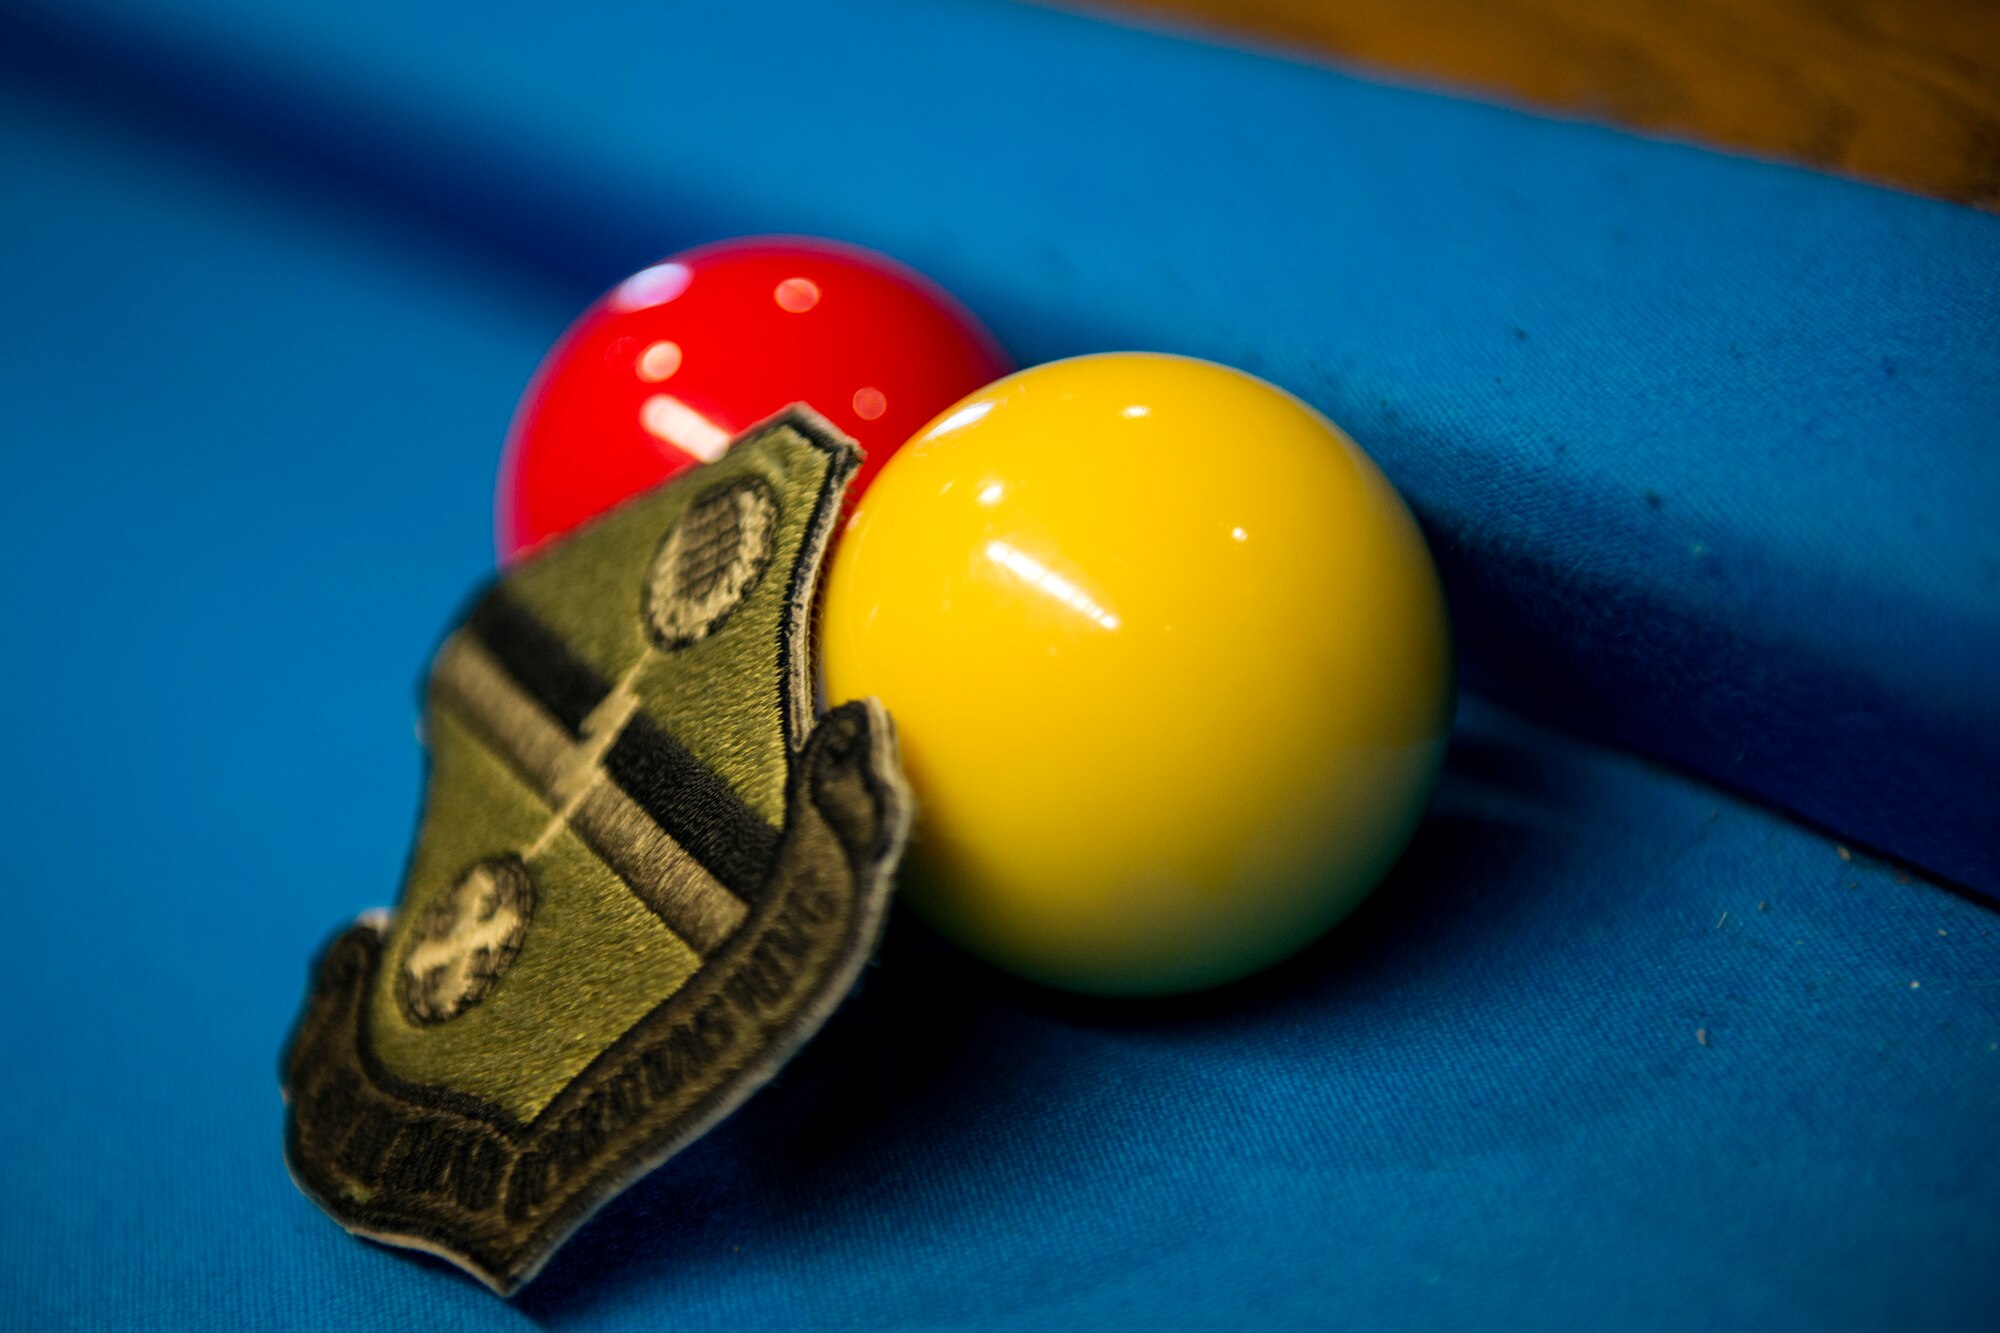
(659, 361)
(652, 286)
(870, 402)
(667, 418)
(796, 295)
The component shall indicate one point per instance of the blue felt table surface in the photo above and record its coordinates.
(1705, 446)
(1613, 1049)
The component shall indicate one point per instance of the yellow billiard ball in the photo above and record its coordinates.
(1169, 663)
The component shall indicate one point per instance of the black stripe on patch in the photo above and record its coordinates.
(694, 806)
(560, 681)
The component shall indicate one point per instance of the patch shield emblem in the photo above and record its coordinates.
(646, 873)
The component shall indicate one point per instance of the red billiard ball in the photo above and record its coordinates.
(673, 362)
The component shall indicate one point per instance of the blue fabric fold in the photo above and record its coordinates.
(1706, 446)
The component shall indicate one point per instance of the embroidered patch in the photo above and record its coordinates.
(710, 561)
(646, 873)
(466, 941)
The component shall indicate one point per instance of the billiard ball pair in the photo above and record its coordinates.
(1167, 654)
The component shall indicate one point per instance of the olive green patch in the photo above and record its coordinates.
(592, 963)
(717, 694)
(646, 873)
